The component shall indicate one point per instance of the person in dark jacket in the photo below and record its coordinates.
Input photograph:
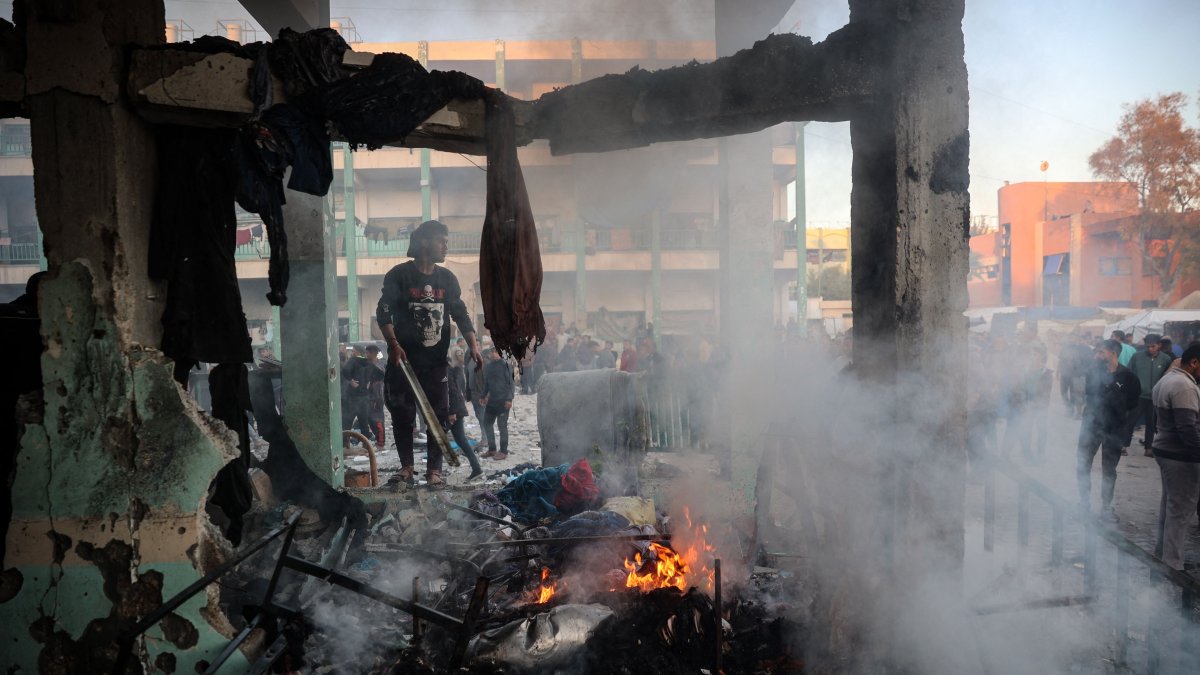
(359, 375)
(456, 378)
(1111, 393)
(1177, 451)
(1149, 364)
(496, 395)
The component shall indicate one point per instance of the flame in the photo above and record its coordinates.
(671, 568)
(545, 590)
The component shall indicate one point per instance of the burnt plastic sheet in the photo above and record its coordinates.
(291, 479)
(553, 641)
(510, 262)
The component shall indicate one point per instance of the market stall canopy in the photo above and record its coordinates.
(1151, 321)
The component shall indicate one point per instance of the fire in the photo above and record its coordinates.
(546, 590)
(670, 568)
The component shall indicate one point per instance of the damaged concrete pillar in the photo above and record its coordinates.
(311, 373)
(116, 460)
(909, 230)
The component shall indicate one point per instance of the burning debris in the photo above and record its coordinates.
(442, 581)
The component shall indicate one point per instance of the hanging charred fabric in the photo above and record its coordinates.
(510, 262)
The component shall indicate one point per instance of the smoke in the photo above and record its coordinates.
(352, 633)
(866, 488)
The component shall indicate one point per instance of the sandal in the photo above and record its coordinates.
(434, 480)
(403, 476)
(500, 456)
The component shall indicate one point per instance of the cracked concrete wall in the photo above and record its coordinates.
(114, 467)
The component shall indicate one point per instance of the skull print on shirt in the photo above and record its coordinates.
(428, 312)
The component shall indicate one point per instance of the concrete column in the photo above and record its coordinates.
(311, 373)
(426, 158)
(114, 468)
(747, 264)
(746, 221)
(910, 223)
(351, 239)
(801, 235)
(580, 228)
(656, 266)
(276, 339)
(1076, 261)
(580, 274)
(500, 63)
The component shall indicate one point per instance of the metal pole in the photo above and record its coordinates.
(989, 511)
(801, 235)
(1056, 546)
(718, 611)
(1122, 593)
(417, 630)
(350, 236)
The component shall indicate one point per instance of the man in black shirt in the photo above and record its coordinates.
(418, 299)
(1111, 396)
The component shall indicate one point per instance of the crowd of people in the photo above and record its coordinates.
(1114, 388)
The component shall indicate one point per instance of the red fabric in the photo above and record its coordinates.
(243, 237)
(578, 487)
(510, 264)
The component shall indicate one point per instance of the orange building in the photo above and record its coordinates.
(1061, 244)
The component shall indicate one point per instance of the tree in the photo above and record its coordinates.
(833, 283)
(1159, 155)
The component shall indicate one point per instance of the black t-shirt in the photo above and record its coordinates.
(418, 307)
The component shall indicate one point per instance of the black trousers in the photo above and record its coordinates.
(1091, 439)
(358, 408)
(403, 406)
(1150, 417)
(496, 413)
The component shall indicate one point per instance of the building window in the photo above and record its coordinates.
(1116, 267)
(1055, 265)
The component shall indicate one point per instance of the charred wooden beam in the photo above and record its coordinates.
(781, 78)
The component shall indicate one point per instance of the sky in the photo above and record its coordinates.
(1047, 79)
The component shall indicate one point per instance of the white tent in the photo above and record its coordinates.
(1150, 321)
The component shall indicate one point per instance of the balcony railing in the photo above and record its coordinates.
(20, 254)
(550, 240)
(15, 140)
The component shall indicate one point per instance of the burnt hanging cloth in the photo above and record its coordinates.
(192, 239)
(231, 489)
(510, 263)
(284, 136)
(387, 100)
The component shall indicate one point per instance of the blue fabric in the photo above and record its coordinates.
(590, 524)
(530, 496)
